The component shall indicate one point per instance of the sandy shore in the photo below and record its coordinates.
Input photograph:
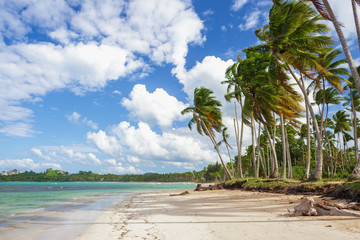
(216, 215)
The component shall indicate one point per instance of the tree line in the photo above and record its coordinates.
(211, 173)
(294, 49)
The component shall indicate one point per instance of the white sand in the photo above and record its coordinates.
(216, 215)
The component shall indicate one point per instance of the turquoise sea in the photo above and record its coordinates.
(20, 197)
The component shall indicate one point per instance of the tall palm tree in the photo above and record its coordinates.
(342, 124)
(266, 95)
(356, 18)
(234, 92)
(325, 10)
(355, 106)
(293, 36)
(224, 140)
(208, 118)
(329, 96)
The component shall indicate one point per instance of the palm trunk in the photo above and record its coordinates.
(283, 172)
(274, 168)
(288, 155)
(238, 141)
(355, 175)
(253, 147)
(328, 141)
(308, 141)
(356, 19)
(344, 45)
(231, 163)
(258, 152)
(317, 173)
(226, 170)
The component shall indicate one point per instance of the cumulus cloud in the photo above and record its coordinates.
(108, 144)
(141, 145)
(94, 42)
(157, 107)
(118, 168)
(74, 117)
(77, 154)
(210, 73)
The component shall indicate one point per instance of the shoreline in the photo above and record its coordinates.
(208, 215)
(65, 220)
(211, 215)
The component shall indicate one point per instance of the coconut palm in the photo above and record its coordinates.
(208, 118)
(293, 36)
(355, 106)
(234, 91)
(264, 95)
(224, 140)
(341, 125)
(325, 10)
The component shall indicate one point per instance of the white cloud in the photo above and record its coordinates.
(120, 169)
(141, 145)
(251, 20)
(238, 4)
(210, 73)
(99, 42)
(157, 107)
(90, 123)
(107, 144)
(76, 118)
(26, 164)
(344, 14)
(77, 154)
(19, 129)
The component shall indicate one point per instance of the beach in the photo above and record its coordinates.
(163, 214)
(220, 214)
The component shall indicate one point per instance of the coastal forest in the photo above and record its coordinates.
(295, 93)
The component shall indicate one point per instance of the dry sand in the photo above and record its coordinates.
(221, 214)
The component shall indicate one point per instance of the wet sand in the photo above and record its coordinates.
(210, 215)
(58, 222)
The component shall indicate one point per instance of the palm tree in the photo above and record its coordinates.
(356, 18)
(233, 91)
(265, 95)
(208, 118)
(293, 36)
(342, 124)
(355, 103)
(224, 139)
(329, 96)
(325, 10)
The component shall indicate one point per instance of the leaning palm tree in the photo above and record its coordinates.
(294, 37)
(208, 118)
(355, 106)
(224, 140)
(234, 92)
(325, 10)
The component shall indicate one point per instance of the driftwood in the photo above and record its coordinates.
(180, 194)
(199, 187)
(308, 207)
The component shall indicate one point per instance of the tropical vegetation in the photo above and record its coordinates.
(272, 88)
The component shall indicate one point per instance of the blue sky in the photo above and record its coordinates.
(99, 85)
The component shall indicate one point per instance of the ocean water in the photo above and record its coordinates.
(21, 197)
